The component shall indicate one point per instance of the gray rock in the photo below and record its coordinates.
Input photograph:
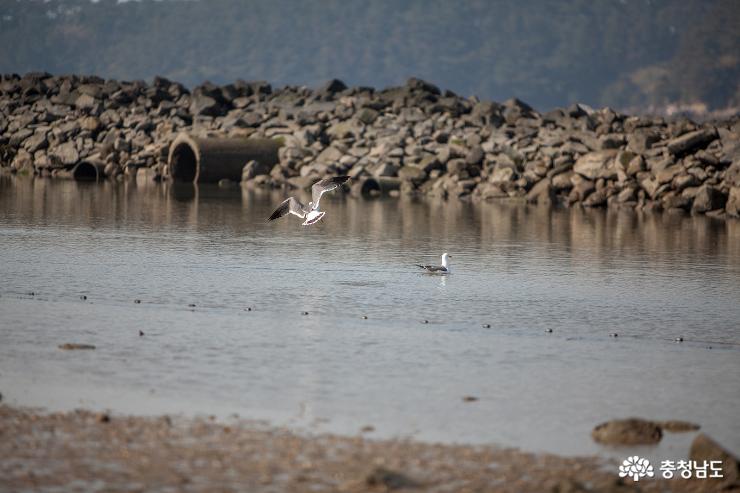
(490, 191)
(683, 181)
(636, 165)
(708, 198)
(367, 115)
(732, 174)
(631, 431)
(666, 175)
(86, 102)
(412, 174)
(598, 164)
(627, 195)
(672, 200)
(332, 86)
(36, 142)
(692, 141)
(200, 104)
(66, 153)
(733, 202)
(563, 181)
(502, 176)
(542, 192)
(455, 166)
(474, 156)
(641, 140)
(329, 155)
(385, 168)
(596, 199)
(704, 450)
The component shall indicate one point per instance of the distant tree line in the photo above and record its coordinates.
(627, 53)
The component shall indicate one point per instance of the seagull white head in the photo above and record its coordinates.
(445, 262)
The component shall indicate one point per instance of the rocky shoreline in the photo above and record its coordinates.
(83, 450)
(414, 139)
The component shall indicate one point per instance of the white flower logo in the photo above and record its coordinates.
(636, 468)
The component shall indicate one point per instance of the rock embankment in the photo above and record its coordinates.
(415, 139)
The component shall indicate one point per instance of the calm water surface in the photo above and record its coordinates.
(523, 270)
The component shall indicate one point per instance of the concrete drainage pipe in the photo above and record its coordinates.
(208, 160)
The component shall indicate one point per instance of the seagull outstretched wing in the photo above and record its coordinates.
(320, 187)
(289, 206)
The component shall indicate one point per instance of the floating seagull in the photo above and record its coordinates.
(310, 212)
(443, 269)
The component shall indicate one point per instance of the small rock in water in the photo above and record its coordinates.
(102, 418)
(304, 313)
(364, 317)
(73, 345)
(31, 293)
(613, 334)
(248, 309)
(83, 297)
(469, 398)
(425, 321)
(137, 301)
(549, 331)
(192, 305)
(631, 431)
(486, 326)
(679, 339)
(367, 429)
(141, 333)
(675, 426)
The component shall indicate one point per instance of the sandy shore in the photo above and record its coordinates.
(86, 451)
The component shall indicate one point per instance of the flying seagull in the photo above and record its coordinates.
(443, 269)
(310, 212)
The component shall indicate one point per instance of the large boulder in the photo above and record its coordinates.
(733, 202)
(708, 198)
(66, 153)
(200, 104)
(412, 174)
(705, 450)
(598, 164)
(502, 176)
(691, 141)
(542, 192)
(732, 175)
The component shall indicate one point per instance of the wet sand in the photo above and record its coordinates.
(87, 451)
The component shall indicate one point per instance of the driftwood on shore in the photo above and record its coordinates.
(414, 139)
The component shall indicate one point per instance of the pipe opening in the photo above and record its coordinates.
(85, 171)
(183, 164)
